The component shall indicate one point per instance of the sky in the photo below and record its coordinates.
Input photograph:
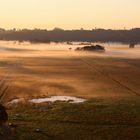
(69, 14)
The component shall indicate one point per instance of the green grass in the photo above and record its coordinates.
(96, 119)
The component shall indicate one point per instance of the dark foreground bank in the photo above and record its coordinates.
(97, 119)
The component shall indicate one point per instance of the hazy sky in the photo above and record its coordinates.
(69, 14)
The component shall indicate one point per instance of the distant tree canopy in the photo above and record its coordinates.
(101, 35)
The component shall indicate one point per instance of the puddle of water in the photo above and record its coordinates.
(52, 99)
(15, 101)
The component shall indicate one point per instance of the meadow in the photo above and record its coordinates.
(110, 82)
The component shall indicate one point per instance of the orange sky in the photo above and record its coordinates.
(69, 14)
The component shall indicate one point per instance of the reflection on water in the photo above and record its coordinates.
(69, 99)
(112, 49)
(52, 99)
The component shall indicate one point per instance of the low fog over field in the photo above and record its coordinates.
(40, 70)
(63, 49)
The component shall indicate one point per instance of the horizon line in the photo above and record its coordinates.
(59, 28)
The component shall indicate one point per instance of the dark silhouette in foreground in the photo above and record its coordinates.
(3, 114)
(5, 130)
(91, 48)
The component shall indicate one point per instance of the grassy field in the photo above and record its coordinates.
(110, 84)
(97, 119)
(73, 76)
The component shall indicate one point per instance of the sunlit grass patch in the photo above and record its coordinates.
(98, 118)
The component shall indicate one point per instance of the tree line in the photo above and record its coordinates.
(60, 35)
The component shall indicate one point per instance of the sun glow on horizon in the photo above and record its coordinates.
(72, 14)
